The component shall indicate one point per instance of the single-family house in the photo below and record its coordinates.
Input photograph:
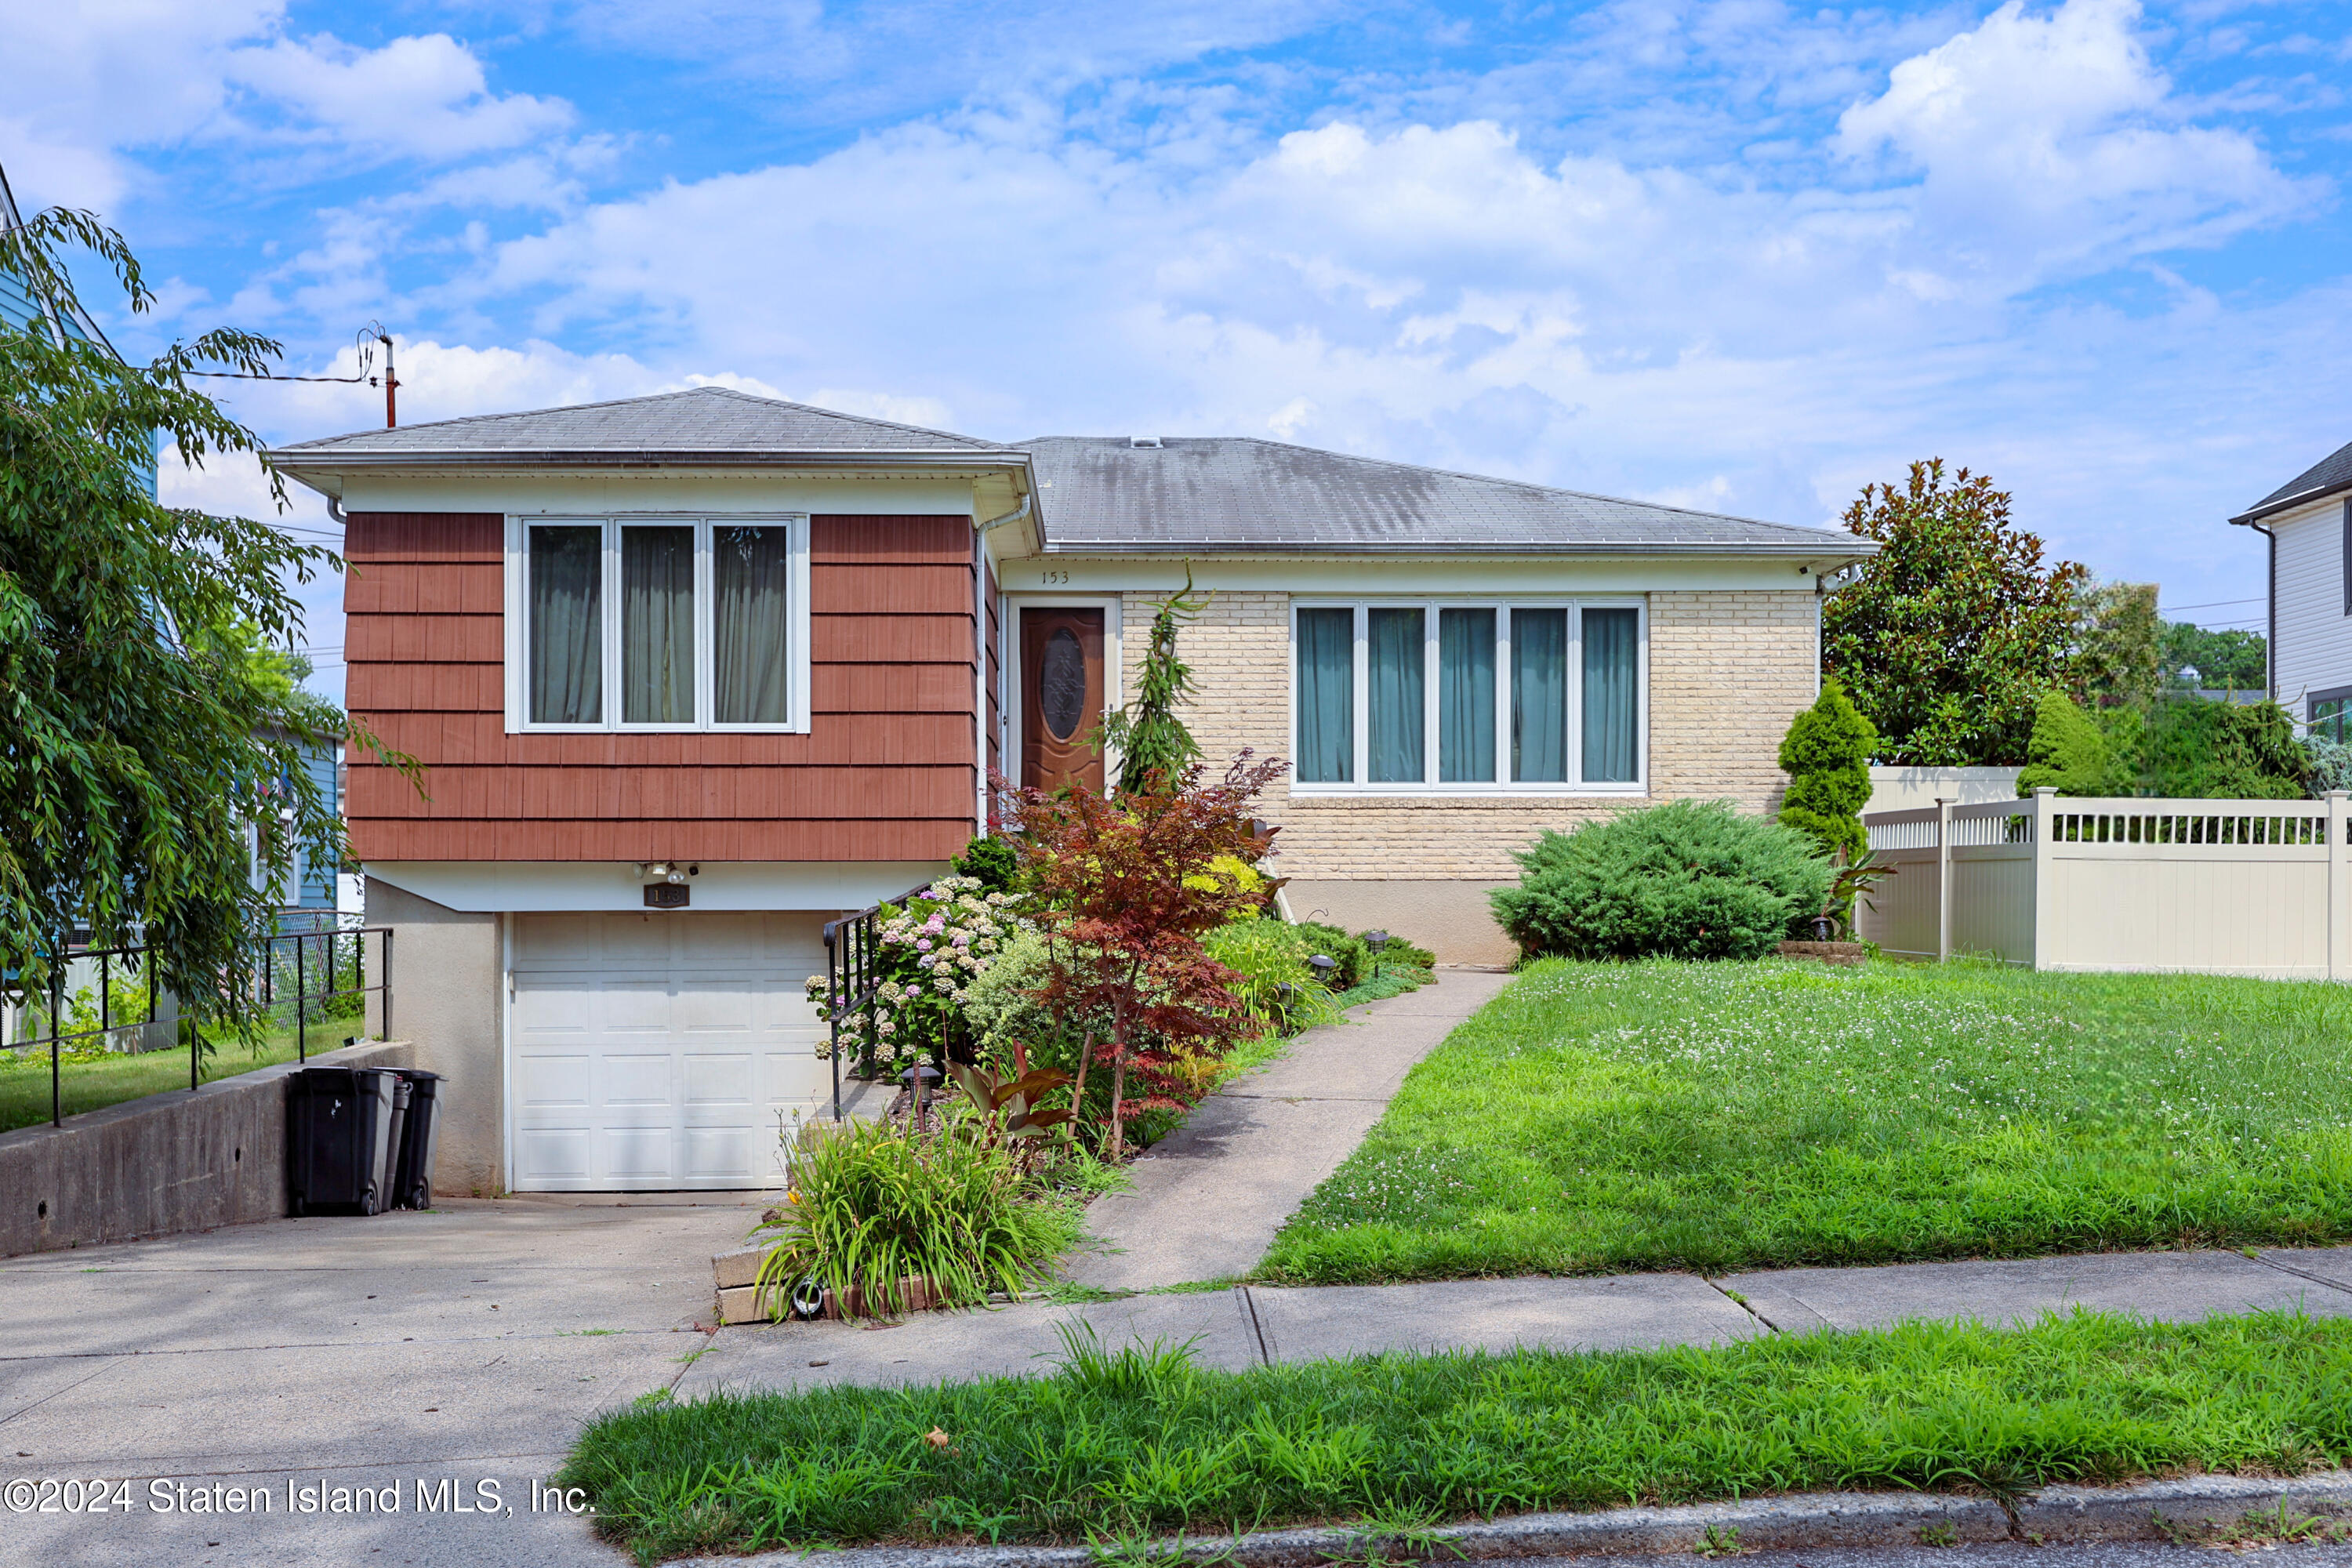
(692, 674)
(2308, 524)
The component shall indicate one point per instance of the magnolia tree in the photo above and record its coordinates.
(1123, 888)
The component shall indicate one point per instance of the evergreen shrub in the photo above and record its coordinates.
(1685, 880)
(1826, 754)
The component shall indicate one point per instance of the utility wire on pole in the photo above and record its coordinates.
(369, 335)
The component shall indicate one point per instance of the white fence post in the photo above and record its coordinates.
(2336, 889)
(1943, 879)
(2045, 811)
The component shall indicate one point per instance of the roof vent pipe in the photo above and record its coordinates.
(1153, 441)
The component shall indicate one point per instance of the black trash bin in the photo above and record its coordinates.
(412, 1180)
(339, 1139)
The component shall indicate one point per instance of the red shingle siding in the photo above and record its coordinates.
(885, 773)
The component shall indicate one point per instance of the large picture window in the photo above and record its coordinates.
(660, 624)
(1469, 698)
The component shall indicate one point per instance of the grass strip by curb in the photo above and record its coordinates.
(1142, 1441)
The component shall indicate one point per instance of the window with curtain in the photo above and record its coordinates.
(1394, 696)
(566, 620)
(1539, 696)
(1327, 696)
(691, 624)
(658, 626)
(1466, 696)
(1610, 636)
(751, 586)
(1397, 658)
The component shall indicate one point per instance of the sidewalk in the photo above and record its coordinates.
(1252, 1326)
(1208, 1199)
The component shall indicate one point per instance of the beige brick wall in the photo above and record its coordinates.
(1728, 669)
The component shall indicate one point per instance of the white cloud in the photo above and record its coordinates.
(118, 75)
(2050, 140)
(426, 96)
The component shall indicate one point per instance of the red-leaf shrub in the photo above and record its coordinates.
(1122, 888)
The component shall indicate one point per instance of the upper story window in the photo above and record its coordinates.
(1391, 697)
(664, 622)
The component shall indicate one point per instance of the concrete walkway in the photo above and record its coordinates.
(1208, 1199)
(1241, 1326)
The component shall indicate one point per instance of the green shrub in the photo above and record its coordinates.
(1353, 958)
(2068, 752)
(991, 861)
(1268, 955)
(2224, 750)
(873, 1205)
(1826, 755)
(1685, 880)
(1406, 954)
(2327, 765)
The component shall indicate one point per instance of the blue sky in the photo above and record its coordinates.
(1737, 255)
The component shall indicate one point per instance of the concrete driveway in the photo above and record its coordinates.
(465, 1345)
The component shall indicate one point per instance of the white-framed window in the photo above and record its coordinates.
(658, 622)
(1469, 696)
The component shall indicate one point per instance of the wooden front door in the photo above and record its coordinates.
(1061, 698)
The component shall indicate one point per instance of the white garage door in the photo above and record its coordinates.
(657, 1051)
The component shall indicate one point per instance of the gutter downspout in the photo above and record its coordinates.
(980, 532)
(2269, 636)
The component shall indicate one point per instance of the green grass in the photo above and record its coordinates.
(1658, 1115)
(98, 1080)
(1114, 1446)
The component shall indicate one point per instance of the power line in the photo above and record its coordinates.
(2213, 605)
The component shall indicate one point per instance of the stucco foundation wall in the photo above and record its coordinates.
(1452, 919)
(447, 973)
(159, 1165)
(1728, 669)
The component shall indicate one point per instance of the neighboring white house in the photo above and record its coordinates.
(2308, 520)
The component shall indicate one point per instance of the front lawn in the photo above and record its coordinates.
(1605, 1116)
(1134, 1443)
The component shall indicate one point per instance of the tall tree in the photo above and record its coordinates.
(148, 723)
(1947, 640)
(2223, 660)
(2116, 652)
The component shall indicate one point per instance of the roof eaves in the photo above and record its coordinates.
(2288, 504)
(308, 456)
(1831, 548)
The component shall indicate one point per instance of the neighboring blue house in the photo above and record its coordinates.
(314, 887)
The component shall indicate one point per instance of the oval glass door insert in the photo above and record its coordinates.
(1062, 684)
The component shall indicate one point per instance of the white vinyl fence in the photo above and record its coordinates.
(2220, 887)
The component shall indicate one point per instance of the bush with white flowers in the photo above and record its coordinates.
(929, 953)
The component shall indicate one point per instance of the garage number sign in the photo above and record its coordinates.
(669, 895)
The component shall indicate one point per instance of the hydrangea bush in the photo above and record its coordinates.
(929, 953)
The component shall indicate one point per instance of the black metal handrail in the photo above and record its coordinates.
(307, 965)
(853, 970)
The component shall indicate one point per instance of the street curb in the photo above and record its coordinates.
(2055, 1515)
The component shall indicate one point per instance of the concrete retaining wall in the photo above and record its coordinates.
(168, 1163)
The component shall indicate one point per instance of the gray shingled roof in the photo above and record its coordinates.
(703, 419)
(2333, 472)
(1232, 492)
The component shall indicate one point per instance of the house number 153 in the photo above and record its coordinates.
(1054, 579)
